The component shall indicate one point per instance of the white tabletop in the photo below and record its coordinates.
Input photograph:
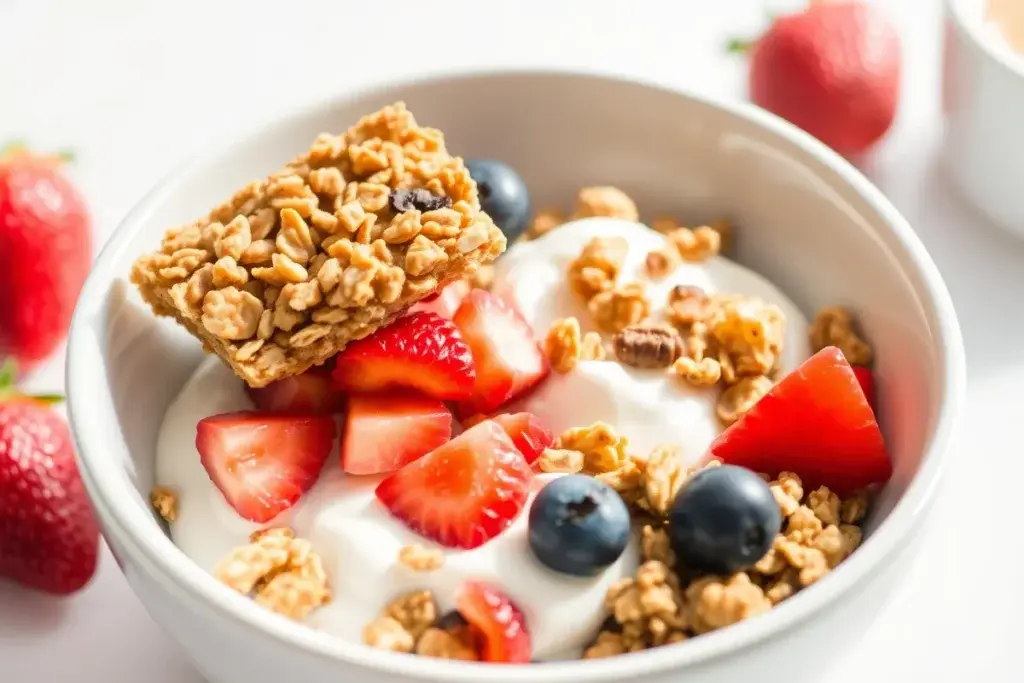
(133, 85)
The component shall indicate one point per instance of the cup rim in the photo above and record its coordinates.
(970, 31)
(116, 498)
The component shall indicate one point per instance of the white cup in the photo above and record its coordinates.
(983, 101)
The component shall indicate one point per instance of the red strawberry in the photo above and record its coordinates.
(264, 462)
(867, 383)
(312, 393)
(817, 423)
(527, 432)
(832, 69)
(508, 360)
(491, 614)
(464, 493)
(49, 537)
(45, 254)
(386, 431)
(445, 302)
(421, 351)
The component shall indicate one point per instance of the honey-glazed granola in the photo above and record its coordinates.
(333, 246)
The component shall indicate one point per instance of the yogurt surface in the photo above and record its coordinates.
(360, 542)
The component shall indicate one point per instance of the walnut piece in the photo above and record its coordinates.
(687, 304)
(616, 309)
(648, 346)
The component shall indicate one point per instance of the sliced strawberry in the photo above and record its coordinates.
(527, 432)
(311, 393)
(386, 431)
(464, 493)
(867, 382)
(508, 360)
(500, 623)
(817, 423)
(262, 463)
(446, 301)
(421, 351)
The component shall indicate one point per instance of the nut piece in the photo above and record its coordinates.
(562, 345)
(420, 558)
(833, 326)
(741, 397)
(605, 201)
(165, 502)
(687, 304)
(660, 262)
(648, 346)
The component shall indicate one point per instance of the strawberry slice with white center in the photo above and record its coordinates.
(421, 351)
(311, 393)
(386, 431)
(445, 302)
(263, 463)
(509, 362)
(491, 614)
(464, 493)
(527, 432)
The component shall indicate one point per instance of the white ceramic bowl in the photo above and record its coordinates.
(807, 220)
(983, 100)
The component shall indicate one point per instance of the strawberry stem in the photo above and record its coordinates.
(739, 45)
(18, 148)
(9, 389)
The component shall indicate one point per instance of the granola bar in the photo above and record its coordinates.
(335, 245)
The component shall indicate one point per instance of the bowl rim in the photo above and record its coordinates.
(970, 31)
(115, 498)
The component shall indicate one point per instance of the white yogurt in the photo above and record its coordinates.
(357, 538)
(648, 406)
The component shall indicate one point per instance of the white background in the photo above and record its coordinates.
(134, 85)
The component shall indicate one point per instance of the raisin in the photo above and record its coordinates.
(419, 199)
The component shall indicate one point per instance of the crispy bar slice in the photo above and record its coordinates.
(338, 243)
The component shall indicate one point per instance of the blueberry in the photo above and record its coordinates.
(724, 520)
(451, 620)
(578, 525)
(503, 195)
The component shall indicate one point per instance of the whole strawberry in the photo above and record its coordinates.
(45, 254)
(49, 537)
(833, 70)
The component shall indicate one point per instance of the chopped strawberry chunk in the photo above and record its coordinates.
(386, 431)
(508, 360)
(445, 302)
(312, 393)
(867, 383)
(527, 432)
(817, 423)
(263, 463)
(464, 493)
(491, 614)
(421, 351)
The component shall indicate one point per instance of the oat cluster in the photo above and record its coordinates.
(326, 250)
(421, 558)
(165, 501)
(281, 573)
(666, 603)
(410, 623)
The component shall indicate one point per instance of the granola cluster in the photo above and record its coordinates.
(411, 623)
(336, 244)
(666, 603)
(281, 573)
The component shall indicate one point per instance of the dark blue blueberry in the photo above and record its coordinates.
(503, 195)
(724, 520)
(578, 525)
(450, 621)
